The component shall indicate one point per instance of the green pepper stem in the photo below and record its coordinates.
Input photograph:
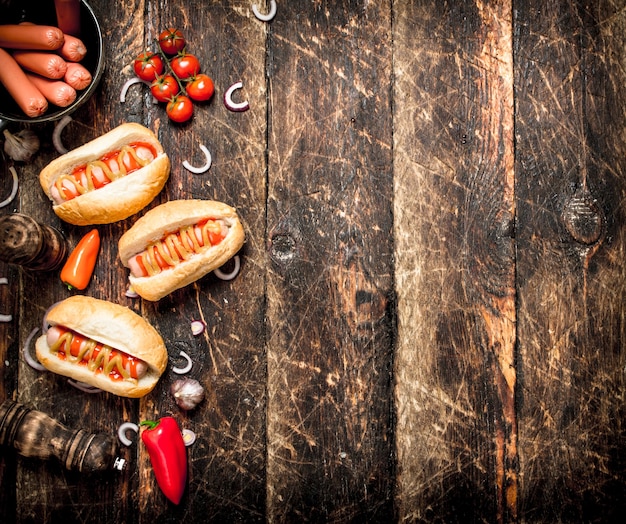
(150, 423)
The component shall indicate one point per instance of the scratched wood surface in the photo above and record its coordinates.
(454, 212)
(428, 323)
(571, 188)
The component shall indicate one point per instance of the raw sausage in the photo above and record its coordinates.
(77, 75)
(56, 92)
(26, 95)
(73, 49)
(31, 36)
(43, 63)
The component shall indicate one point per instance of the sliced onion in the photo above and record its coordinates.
(189, 437)
(44, 322)
(85, 388)
(56, 135)
(131, 293)
(197, 327)
(187, 368)
(127, 84)
(5, 318)
(201, 169)
(229, 276)
(268, 16)
(121, 432)
(30, 360)
(16, 184)
(228, 100)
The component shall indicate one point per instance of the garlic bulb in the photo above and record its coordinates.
(22, 145)
(187, 392)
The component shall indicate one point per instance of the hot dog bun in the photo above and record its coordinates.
(115, 326)
(171, 217)
(118, 199)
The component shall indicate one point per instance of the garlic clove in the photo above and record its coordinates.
(187, 393)
(22, 145)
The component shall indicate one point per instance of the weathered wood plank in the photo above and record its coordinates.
(453, 211)
(9, 342)
(227, 462)
(45, 491)
(571, 269)
(330, 294)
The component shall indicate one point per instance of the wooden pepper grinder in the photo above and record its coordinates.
(35, 434)
(30, 244)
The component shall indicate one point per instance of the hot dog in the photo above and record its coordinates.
(31, 36)
(108, 179)
(73, 49)
(68, 15)
(177, 243)
(56, 92)
(43, 63)
(77, 75)
(102, 344)
(30, 100)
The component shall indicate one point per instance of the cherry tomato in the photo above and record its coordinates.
(148, 65)
(185, 65)
(164, 87)
(171, 41)
(179, 108)
(200, 87)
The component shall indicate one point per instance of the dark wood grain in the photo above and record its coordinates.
(570, 189)
(227, 476)
(9, 341)
(330, 293)
(428, 325)
(453, 166)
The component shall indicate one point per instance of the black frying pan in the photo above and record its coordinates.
(91, 35)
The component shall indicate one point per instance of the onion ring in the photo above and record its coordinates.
(121, 432)
(197, 327)
(127, 84)
(30, 360)
(5, 318)
(229, 276)
(85, 388)
(11, 196)
(189, 437)
(44, 323)
(187, 368)
(268, 16)
(56, 134)
(202, 169)
(228, 100)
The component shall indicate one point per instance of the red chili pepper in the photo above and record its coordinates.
(77, 271)
(168, 455)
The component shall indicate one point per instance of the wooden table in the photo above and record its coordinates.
(429, 322)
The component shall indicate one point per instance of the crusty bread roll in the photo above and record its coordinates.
(119, 199)
(171, 217)
(115, 326)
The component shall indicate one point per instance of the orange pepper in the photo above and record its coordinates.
(78, 269)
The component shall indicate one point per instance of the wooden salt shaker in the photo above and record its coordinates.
(35, 434)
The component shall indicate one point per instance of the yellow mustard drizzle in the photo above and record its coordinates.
(177, 246)
(85, 353)
(78, 185)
